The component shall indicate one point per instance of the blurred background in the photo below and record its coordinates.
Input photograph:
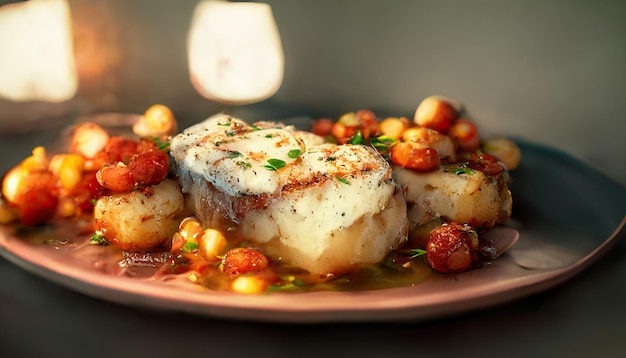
(552, 72)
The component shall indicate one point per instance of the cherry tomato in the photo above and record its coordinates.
(241, 260)
(369, 125)
(486, 163)
(343, 133)
(149, 168)
(37, 206)
(452, 248)
(322, 127)
(117, 178)
(88, 191)
(120, 149)
(465, 135)
(146, 145)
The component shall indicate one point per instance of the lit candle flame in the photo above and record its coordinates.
(37, 61)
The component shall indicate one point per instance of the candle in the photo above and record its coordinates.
(36, 61)
(235, 53)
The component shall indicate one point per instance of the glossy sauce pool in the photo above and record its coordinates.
(70, 240)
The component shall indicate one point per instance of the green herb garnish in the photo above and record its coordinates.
(163, 145)
(98, 239)
(415, 253)
(275, 164)
(382, 143)
(234, 154)
(189, 246)
(459, 169)
(289, 284)
(294, 153)
(357, 138)
(243, 165)
(343, 180)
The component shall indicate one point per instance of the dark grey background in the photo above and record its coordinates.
(548, 71)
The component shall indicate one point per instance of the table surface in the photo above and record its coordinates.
(582, 317)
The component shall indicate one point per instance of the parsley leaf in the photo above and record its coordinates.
(189, 246)
(163, 145)
(275, 164)
(417, 253)
(357, 138)
(289, 283)
(459, 169)
(294, 153)
(382, 143)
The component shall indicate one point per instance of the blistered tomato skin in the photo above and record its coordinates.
(452, 248)
(343, 133)
(465, 135)
(486, 163)
(120, 149)
(117, 178)
(322, 127)
(149, 168)
(368, 122)
(242, 260)
(38, 206)
(88, 191)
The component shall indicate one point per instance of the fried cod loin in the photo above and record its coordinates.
(463, 196)
(319, 206)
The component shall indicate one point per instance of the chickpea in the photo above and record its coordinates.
(249, 284)
(11, 184)
(394, 127)
(413, 156)
(505, 150)
(435, 113)
(88, 139)
(37, 161)
(211, 243)
(190, 228)
(157, 121)
(68, 168)
(349, 119)
(465, 135)
(426, 137)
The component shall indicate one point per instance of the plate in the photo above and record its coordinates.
(567, 214)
